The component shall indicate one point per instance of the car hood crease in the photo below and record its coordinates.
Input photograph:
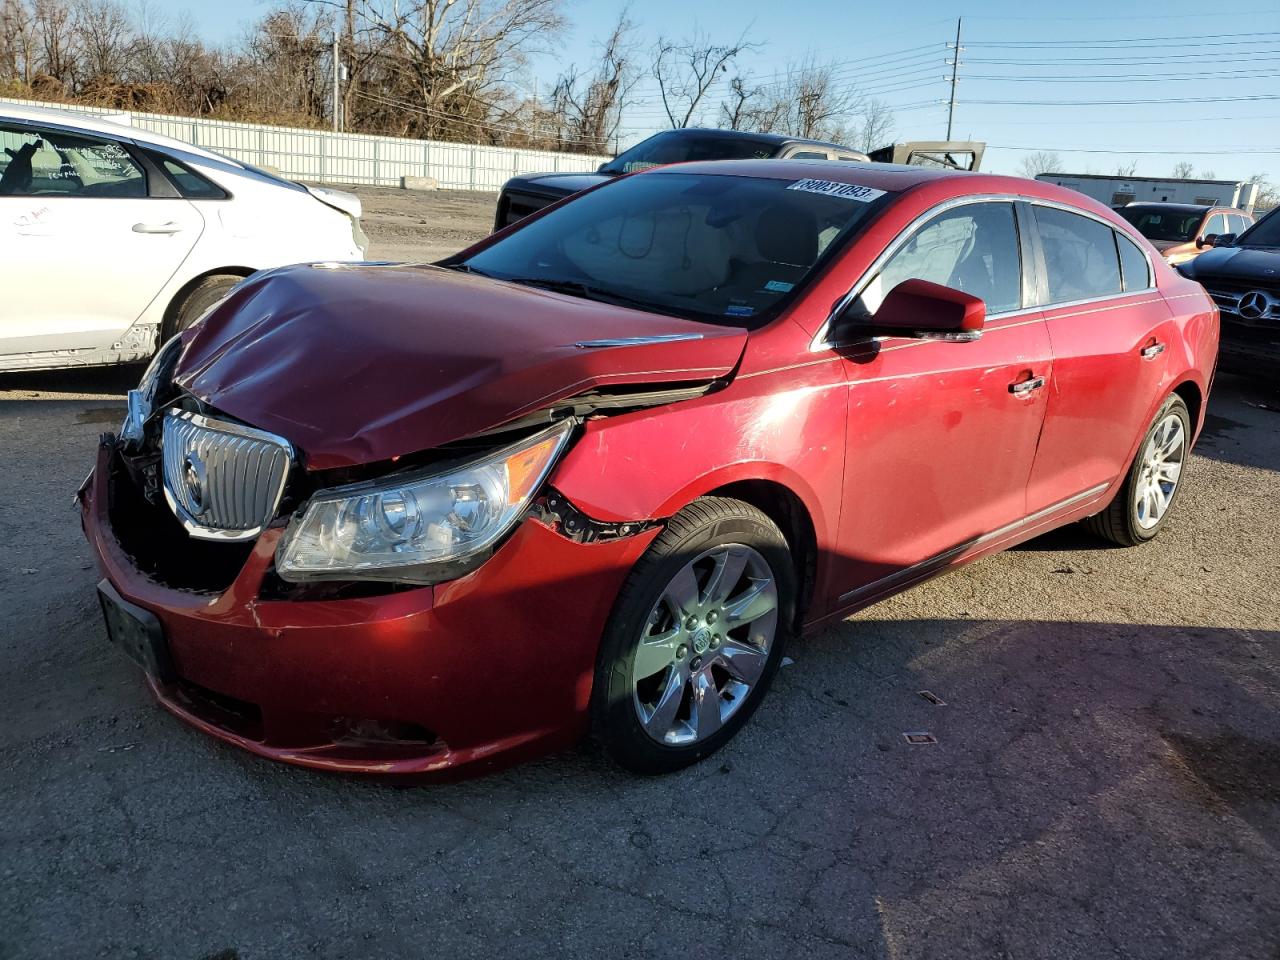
(356, 364)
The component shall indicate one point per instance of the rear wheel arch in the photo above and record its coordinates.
(1192, 396)
(173, 312)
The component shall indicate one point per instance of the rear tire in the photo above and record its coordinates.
(695, 638)
(191, 306)
(1145, 500)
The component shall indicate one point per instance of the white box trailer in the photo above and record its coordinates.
(1118, 191)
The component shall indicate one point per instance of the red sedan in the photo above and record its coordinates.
(594, 472)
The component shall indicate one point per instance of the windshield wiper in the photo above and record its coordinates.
(577, 288)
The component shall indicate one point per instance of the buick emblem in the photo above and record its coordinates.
(195, 479)
(1253, 305)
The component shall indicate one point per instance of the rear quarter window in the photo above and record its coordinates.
(1134, 269)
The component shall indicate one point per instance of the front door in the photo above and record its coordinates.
(941, 435)
(83, 248)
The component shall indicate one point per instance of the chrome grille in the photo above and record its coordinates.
(1257, 304)
(222, 480)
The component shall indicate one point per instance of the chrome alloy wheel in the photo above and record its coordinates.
(1161, 468)
(705, 644)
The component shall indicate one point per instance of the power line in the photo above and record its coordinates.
(1131, 77)
(1115, 61)
(1177, 151)
(1113, 103)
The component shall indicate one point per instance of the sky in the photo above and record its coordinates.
(1098, 83)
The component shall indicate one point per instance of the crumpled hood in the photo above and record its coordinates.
(358, 363)
(1243, 264)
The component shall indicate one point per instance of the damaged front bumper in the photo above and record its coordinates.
(474, 673)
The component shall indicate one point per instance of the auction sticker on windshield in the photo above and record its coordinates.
(849, 191)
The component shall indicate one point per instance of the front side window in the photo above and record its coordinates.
(53, 163)
(1238, 223)
(722, 249)
(1263, 233)
(808, 155)
(1133, 265)
(973, 248)
(1080, 257)
(1216, 226)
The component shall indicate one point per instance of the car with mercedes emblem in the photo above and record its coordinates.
(593, 474)
(1241, 272)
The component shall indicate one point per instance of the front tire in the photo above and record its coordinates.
(1146, 499)
(695, 637)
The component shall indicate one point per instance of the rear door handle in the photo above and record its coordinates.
(169, 227)
(1151, 351)
(1021, 388)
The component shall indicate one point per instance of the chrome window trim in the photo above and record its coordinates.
(189, 523)
(820, 341)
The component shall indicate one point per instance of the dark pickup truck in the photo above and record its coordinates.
(527, 194)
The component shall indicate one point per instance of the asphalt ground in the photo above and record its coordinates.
(1105, 781)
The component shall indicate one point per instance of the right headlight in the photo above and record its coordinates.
(417, 528)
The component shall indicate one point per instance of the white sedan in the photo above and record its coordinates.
(113, 239)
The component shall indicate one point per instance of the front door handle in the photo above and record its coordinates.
(1152, 350)
(1020, 388)
(169, 227)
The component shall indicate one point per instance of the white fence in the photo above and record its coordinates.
(327, 157)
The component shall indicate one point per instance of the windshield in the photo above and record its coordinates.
(721, 249)
(1264, 233)
(1177, 226)
(676, 147)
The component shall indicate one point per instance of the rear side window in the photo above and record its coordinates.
(54, 163)
(1133, 265)
(1080, 257)
(189, 183)
(808, 155)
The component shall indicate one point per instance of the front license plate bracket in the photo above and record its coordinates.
(137, 632)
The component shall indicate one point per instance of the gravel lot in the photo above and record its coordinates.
(1106, 781)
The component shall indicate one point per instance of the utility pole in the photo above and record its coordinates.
(337, 69)
(955, 66)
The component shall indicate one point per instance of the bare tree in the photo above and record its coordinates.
(1268, 192)
(685, 71)
(1127, 169)
(588, 107)
(1183, 170)
(1042, 161)
(1207, 175)
(875, 125)
(17, 42)
(809, 101)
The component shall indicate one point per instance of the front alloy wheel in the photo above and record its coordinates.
(705, 644)
(695, 638)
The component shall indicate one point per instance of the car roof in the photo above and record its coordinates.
(895, 177)
(1177, 207)
(92, 124)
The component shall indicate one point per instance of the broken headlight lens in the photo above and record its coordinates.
(418, 528)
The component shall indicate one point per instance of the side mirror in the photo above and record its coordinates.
(1215, 240)
(929, 311)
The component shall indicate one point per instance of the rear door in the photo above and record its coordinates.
(941, 435)
(1109, 328)
(86, 239)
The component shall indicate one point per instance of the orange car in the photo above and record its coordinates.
(1179, 230)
